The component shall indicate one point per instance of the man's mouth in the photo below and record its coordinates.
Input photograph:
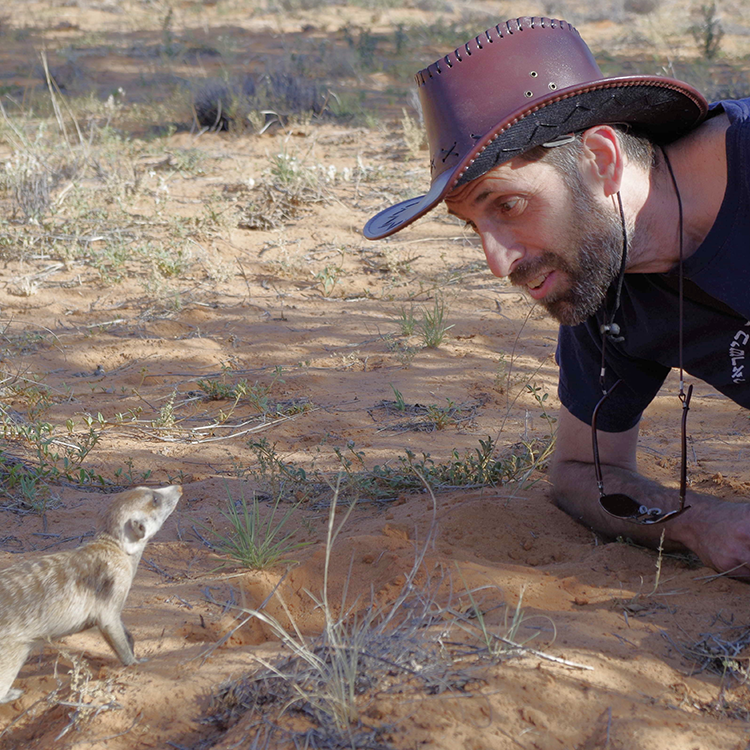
(535, 283)
(541, 285)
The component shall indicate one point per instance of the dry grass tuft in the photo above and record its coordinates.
(720, 654)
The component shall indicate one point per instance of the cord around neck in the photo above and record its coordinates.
(609, 329)
(680, 266)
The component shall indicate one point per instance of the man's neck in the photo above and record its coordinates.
(700, 170)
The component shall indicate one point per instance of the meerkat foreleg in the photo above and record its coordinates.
(119, 638)
(12, 658)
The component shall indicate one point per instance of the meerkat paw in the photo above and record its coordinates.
(11, 695)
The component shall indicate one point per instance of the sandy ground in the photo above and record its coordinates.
(623, 649)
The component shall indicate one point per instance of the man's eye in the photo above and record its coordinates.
(509, 206)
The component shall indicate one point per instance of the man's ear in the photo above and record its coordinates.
(602, 159)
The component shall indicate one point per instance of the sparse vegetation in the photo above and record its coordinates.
(361, 646)
(707, 30)
(433, 328)
(252, 541)
(414, 135)
(508, 639)
(45, 454)
(286, 192)
(407, 320)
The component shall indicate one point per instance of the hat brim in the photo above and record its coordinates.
(397, 217)
(663, 108)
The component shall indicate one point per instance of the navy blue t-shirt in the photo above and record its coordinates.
(716, 313)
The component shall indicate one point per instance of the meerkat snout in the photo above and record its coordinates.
(65, 592)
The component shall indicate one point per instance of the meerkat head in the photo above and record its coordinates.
(136, 515)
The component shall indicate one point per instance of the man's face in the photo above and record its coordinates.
(554, 239)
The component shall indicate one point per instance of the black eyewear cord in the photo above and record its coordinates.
(618, 504)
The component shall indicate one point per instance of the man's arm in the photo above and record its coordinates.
(717, 531)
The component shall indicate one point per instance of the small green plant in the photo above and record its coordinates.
(169, 262)
(327, 279)
(400, 404)
(280, 478)
(407, 321)
(707, 31)
(442, 416)
(286, 169)
(252, 542)
(257, 394)
(129, 477)
(403, 352)
(433, 327)
(217, 390)
(57, 459)
(541, 396)
(29, 490)
(166, 419)
(477, 468)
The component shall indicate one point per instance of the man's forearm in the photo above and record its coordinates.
(576, 492)
(716, 530)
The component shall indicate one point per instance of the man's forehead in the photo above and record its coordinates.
(511, 175)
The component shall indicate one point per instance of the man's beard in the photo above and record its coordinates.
(590, 258)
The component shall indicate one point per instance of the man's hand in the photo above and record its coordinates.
(718, 532)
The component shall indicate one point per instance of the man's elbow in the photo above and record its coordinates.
(571, 486)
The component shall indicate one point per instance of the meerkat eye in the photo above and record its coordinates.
(156, 501)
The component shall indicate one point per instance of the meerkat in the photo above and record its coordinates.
(65, 592)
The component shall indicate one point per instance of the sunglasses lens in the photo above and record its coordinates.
(621, 506)
(627, 509)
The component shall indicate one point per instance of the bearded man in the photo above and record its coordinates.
(621, 205)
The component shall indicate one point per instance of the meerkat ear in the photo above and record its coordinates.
(137, 528)
(133, 532)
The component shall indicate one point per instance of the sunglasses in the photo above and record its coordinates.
(623, 506)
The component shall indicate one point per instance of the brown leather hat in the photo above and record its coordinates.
(520, 84)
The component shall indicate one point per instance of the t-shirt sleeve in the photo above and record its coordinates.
(579, 355)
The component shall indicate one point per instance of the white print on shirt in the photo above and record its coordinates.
(737, 352)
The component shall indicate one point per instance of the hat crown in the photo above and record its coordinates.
(502, 71)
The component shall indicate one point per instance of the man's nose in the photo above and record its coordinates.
(502, 254)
